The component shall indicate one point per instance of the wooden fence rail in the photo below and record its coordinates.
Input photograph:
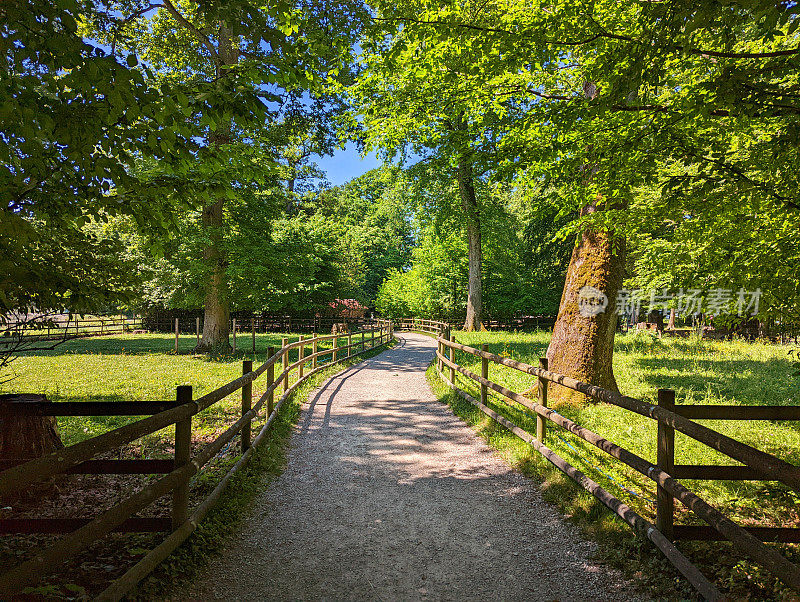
(20, 474)
(53, 330)
(669, 417)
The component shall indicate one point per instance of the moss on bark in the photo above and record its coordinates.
(582, 345)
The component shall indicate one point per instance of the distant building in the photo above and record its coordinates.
(346, 308)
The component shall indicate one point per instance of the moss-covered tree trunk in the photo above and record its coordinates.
(216, 320)
(582, 344)
(469, 202)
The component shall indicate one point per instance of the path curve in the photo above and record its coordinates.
(389, 496)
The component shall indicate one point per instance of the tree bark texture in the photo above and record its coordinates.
(582, 344)
(216, 322)
(26, 436)
(469, 202)
(217, 307)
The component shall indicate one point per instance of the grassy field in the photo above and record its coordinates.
(708, 372)
(140, 367)
(144, 367)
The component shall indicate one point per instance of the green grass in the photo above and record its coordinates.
(144, 367)
(708, 372)
(140, 367)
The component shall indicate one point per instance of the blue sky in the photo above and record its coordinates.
(347, 164)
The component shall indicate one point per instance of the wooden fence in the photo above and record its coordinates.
(26, 334)
(520, 323)
(670, 418)
(54, 330)
(78, 458)
(246, 322)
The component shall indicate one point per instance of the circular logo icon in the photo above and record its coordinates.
(591, 301)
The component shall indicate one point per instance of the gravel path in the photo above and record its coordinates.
(389, 496)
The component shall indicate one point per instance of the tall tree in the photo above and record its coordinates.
(624, 90)
(230, 52)
(412, 98)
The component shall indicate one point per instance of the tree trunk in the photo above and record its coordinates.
(26, 436)
(582, 345)
(216, 321)
(217, 307)
(671, 323)
(469, 203)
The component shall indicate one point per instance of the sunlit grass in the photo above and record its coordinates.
(144, 367)
(707, 372)
(138, 367)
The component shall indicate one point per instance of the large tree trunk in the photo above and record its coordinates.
(217, 307)
(469, 202)
(26, 436)
(582, 345)
(216, 321)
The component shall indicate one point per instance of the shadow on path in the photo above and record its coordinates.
(388, 496)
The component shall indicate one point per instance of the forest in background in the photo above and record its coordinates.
(162, 155)
(392, 239)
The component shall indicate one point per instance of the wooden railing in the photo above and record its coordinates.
(72, 329)
(670, 418)
(420, 325)
(79, 457)
(521, 323)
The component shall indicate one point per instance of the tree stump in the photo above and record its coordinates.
(26, 436)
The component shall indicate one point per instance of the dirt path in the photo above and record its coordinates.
(388, 496)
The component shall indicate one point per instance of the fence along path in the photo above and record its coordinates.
(176, 481)
(389, 496)
(758, 464)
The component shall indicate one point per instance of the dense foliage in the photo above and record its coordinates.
(523, 266)
(126, 125)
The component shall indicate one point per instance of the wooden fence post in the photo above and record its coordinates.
(372, 337)
(234, 336)
(284, 342)
(362, 341)
(349, 344)
(270, 381)
(335, 347)
(541, 423)
(301, 353)
(665, 460)
(197, 329)
(183, 453)
(484, 374)
(439, 349)
(253, 329)
(247, 400)
(444, 347)
(176, 336)
(452, 360)
(314, 349)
